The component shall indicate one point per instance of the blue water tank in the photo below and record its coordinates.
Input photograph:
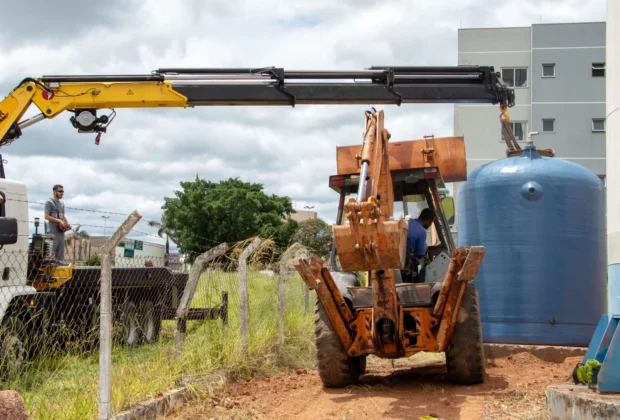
(542, 221)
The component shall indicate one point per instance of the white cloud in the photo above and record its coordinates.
(146, 153)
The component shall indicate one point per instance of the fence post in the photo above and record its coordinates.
(306, 291)
(105, 326)
(306, 299)
(282, 288)
(244, 306)
(190, 289)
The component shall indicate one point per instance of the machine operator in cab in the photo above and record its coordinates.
(416, 240)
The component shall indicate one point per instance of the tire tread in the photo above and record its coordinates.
(465, 356)
(336, 368)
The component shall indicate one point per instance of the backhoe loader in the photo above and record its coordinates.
(390, 318)
(399, 312)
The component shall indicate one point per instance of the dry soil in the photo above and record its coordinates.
(406, 389)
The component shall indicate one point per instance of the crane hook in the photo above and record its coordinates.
(504, 113)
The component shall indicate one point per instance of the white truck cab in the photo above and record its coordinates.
(14, 232)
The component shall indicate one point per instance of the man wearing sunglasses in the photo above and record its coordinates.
(58, 223)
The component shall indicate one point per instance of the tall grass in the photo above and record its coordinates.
(65, 385)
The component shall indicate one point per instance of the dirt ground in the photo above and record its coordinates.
(406, 389)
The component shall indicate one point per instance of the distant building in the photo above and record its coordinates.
(176, 262)
(558, 74)
(129, 253)
(302, 215)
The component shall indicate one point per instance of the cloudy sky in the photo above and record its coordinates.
(146, 153)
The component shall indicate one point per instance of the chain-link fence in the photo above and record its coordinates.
(97, 334)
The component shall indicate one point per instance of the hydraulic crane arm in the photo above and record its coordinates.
(180, 88)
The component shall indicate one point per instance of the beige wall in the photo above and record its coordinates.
(302, 215)
(96, 243)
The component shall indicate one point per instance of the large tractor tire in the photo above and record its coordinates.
(465, 355)
(336, 368)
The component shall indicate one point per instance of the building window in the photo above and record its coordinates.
(514, 77)
(548, 70)
(519, 128)
(598, 124)
(598, 69)
(548, 125)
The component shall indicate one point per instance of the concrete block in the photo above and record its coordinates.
(12, 406)
(569, 401)
(552, 354)
(150, 410)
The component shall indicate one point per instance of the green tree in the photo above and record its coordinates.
(203, 214)
(161, 231)
(316, 235)
(281, 234)
(94, 260)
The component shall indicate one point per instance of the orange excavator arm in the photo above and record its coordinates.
(371, 241)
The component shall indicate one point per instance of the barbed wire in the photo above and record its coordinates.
(114, 228)
(111, 212)
(105, 227)
(68, 207)
(90, 211)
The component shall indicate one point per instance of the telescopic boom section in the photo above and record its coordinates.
(179, 88)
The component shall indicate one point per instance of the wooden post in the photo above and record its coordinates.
(190, 289)
(306, 299)
(244, 307)
(282, 288)
(304, 255)
(194, 276)
(105, 327)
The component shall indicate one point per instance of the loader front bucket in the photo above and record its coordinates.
(378, 245)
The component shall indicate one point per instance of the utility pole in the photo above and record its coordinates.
(105, 223)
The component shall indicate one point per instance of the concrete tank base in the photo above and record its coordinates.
(554, 354)
(569, 401)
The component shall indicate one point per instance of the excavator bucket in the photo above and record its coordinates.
(369, 243)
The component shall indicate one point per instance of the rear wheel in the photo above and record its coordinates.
(336, 368)
(465, 355)
(129, 325)
(150, 322)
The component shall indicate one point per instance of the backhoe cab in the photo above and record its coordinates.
(395, 313)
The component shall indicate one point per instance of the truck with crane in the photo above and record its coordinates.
(386, 319)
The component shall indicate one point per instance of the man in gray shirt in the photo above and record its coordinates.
(58, 223)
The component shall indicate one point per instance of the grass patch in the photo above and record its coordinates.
(64, 385)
